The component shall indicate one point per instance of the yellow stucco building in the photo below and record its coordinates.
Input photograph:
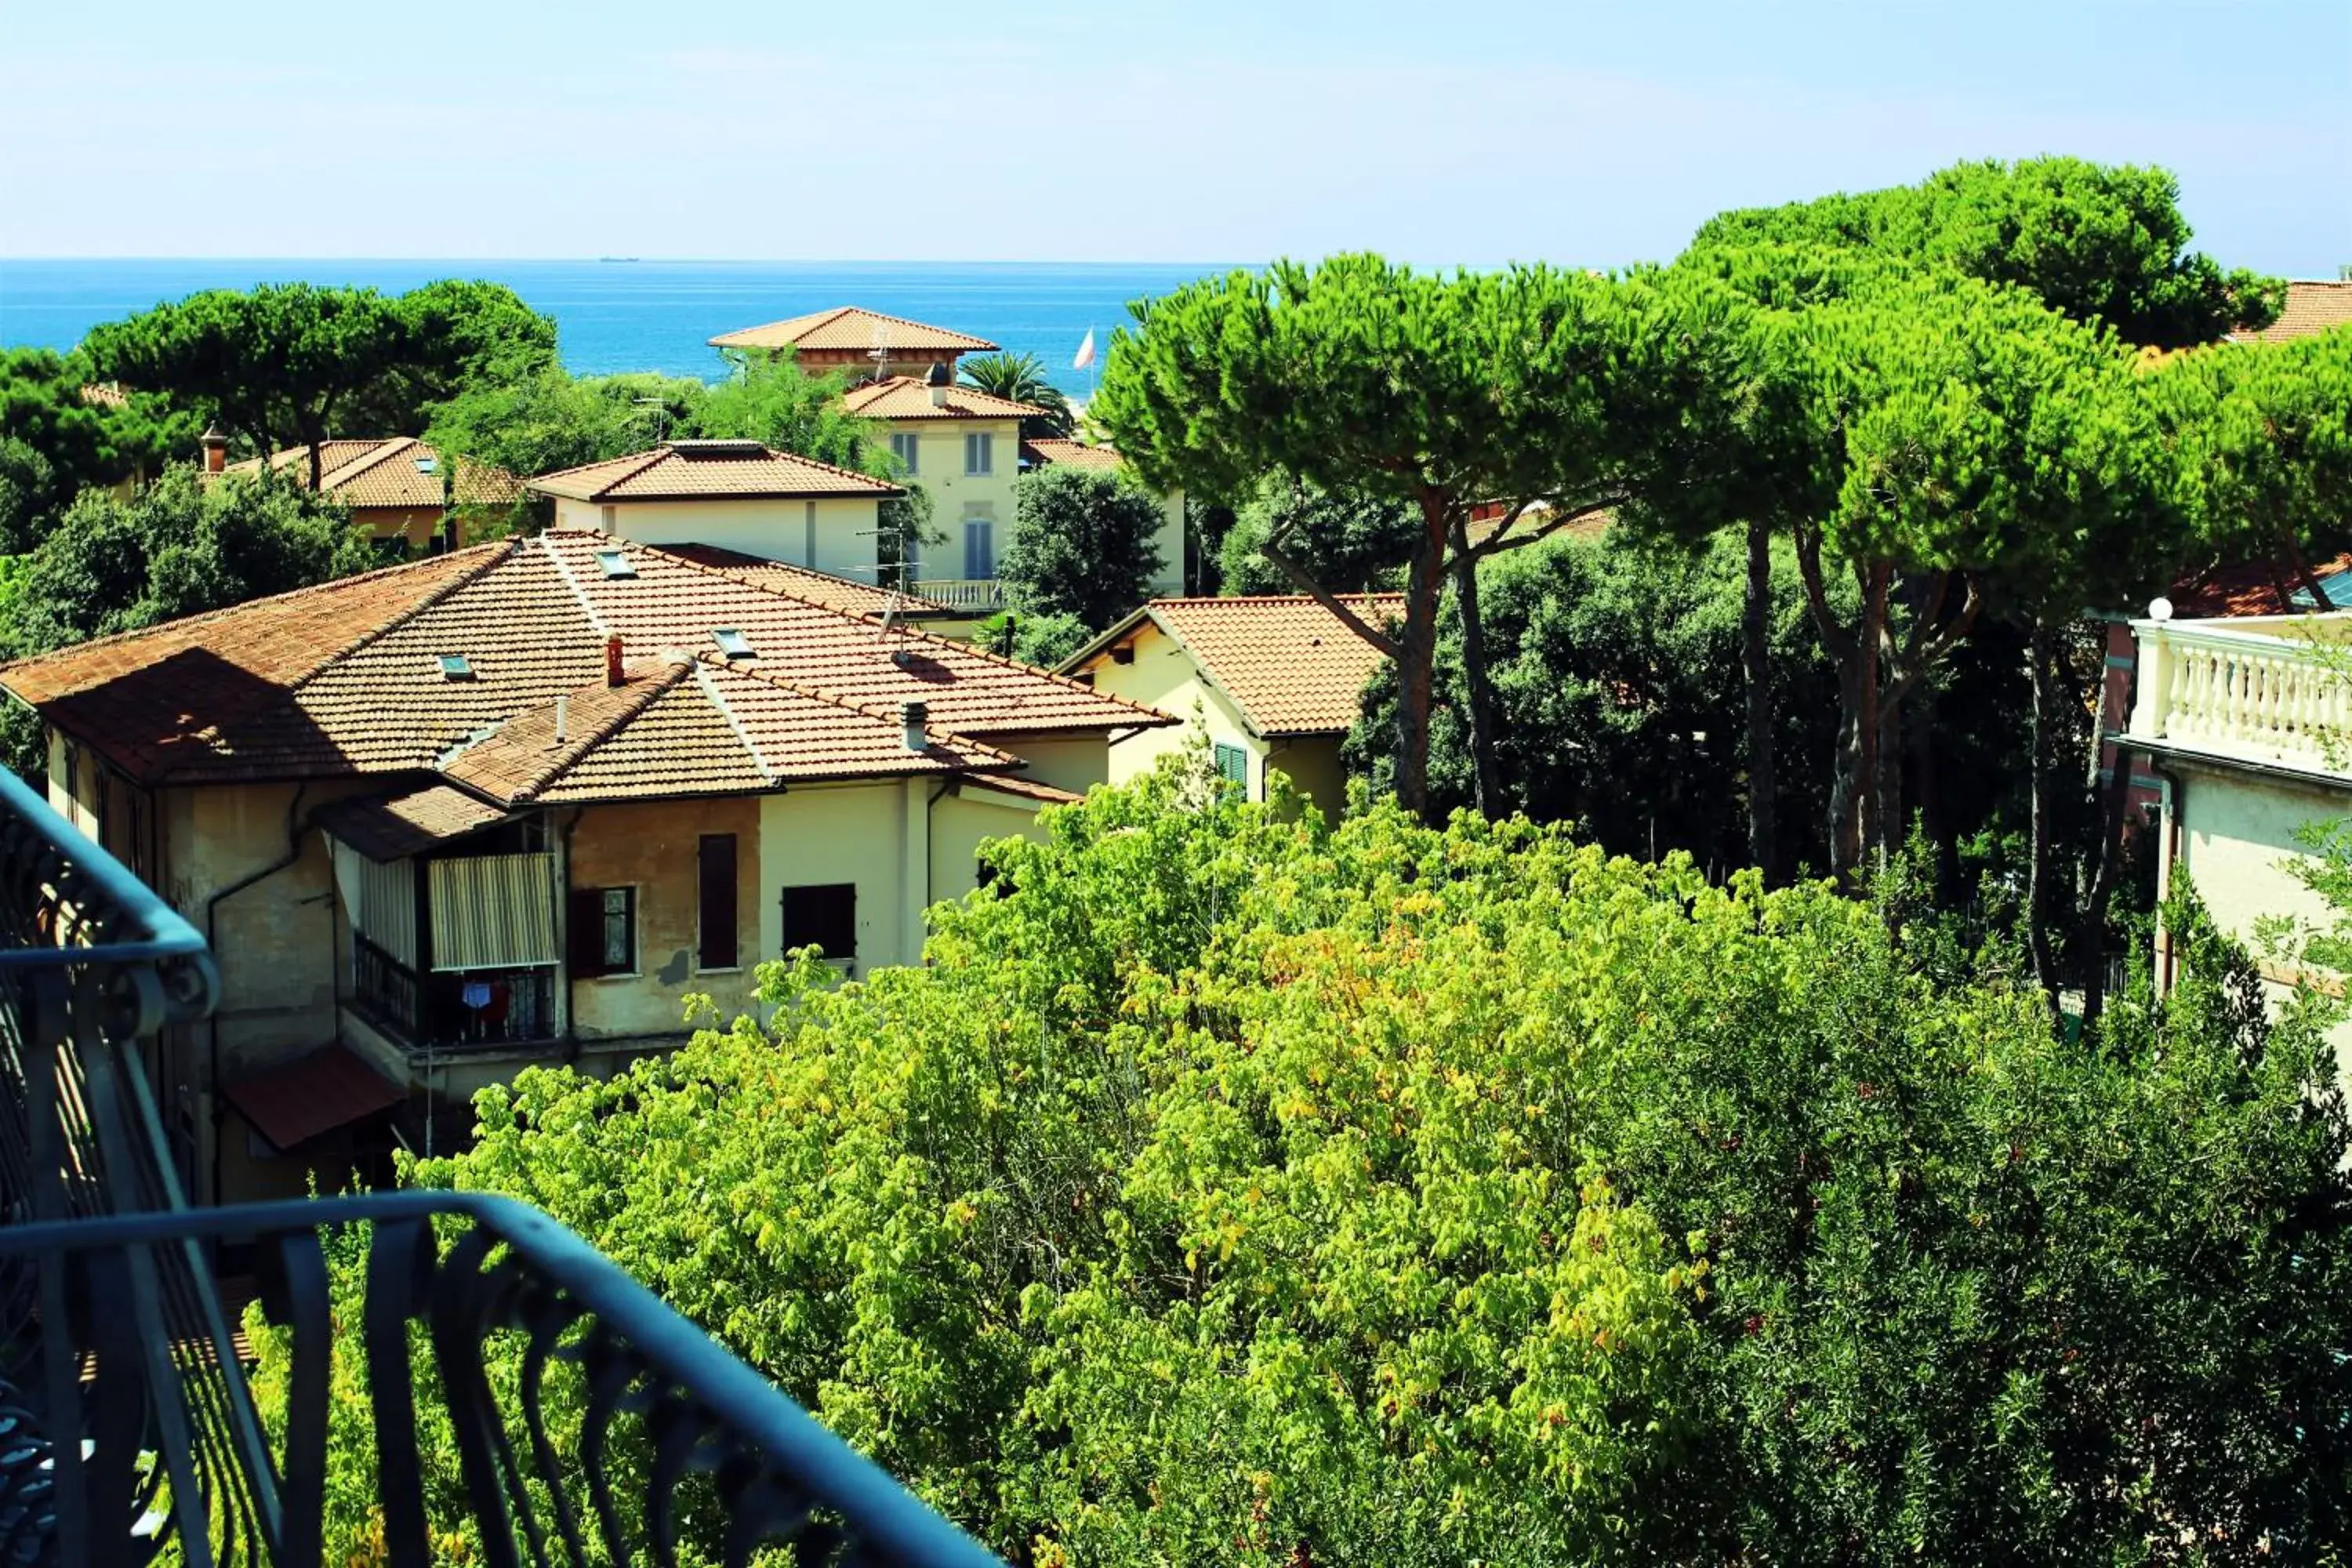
(515, 803)
(1275, 681)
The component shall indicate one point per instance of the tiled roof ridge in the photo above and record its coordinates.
(1190, 599)
(579, 594)
(912, 603)
(828, 467)
(352, 468)
(500, 552)
(709, 684)
(676, 665)
(848, 705)
(652, 454)
(889, 383)
(205, 616)
(827, 318)
(724, 574)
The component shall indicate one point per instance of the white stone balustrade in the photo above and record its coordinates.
(2272, 689)
(963, 592)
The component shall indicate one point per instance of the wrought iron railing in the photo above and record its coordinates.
(452, 1011)
(129, 1430)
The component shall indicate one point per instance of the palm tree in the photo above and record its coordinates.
(1021, 378)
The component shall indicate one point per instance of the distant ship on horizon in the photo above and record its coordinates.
(617, 259)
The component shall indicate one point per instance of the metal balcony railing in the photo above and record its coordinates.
(128, 1431)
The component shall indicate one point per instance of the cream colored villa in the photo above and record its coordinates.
(514, 803)
(398, 488)
(963, 445)
(738, 495)
(2246, 722)
(1275, 681)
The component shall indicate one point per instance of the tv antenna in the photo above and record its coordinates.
(661, 415)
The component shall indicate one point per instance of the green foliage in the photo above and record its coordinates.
(2263, 440)
(769, 399)
(1083, 546)
(1240, 1189)
(1047, 641)
(1348, 545)
(59, 434)
(177, 548)
(2096, 242)
(1021, 378)
(1617, 672)
(554, 420)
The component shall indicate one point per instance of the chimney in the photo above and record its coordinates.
(612, 660)
(216, 446)
(917, 716)
(562, 713)
(939, 381)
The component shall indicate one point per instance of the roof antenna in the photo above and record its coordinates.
(661, 416)
(880, 352)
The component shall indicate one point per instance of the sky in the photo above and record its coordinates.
(1471, 131)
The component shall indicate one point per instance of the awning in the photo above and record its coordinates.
(330, 1088)
(394, 826)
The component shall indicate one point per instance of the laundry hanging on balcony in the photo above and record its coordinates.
(493, 912)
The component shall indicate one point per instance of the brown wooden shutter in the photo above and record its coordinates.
(584, 931)
(718, 944)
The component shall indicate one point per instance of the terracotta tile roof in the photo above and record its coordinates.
(686, 726)
(849, 327)
(332, 1087)
(385, 472)
(2252, 590)
(105, 394)
(392, 826)
(841, 593)
(1291, 667)
(909, 397)
(348, 679)
(1037, 790)
(1047, 450)
(2312, 306)
(709, 470)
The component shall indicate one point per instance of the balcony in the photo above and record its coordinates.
(982, 595)
(133, 1434)
(2269, 691)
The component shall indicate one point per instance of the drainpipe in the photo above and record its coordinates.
(212, 918)
(2175, 847)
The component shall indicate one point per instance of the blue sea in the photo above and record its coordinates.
(640, 315)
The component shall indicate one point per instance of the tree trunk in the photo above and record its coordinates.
(1416, 654)
(2091, 923)
(1756, 657)
(1845, 812)
(2043, 654)
(1479, 691)
(1870, 831)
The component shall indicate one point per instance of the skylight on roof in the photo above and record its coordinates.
(456, 666)
(732, 643)
(615, 563)
(425, 465)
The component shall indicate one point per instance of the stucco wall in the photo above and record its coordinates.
(1313, 763)
(938, 460)
(2236, 841)
(1074, 763)
(772, 529)
(960, 823)
(1162, 676)
(843, 832)
(656, 848)
(416, 526)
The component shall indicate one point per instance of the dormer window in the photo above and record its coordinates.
(732, 643)
(426, 465)
(456, 666)
(615, 563)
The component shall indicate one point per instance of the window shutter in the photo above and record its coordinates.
(717, 942)
(584, 932)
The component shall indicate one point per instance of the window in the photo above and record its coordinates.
(822, 916)
(1232, 766)
(603, 938)
(456, 666)
(614, 563)
(980, 453)
(425, 465)
(904, 445)
(732, 643)
(979, 546)
(715, 948)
